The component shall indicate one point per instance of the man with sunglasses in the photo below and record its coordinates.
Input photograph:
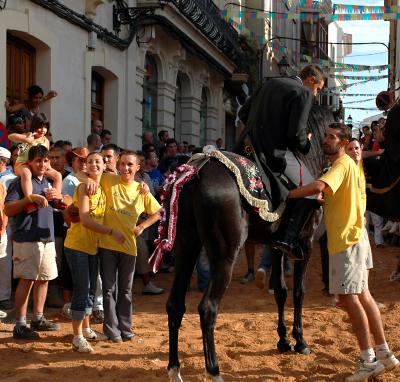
(276, 116)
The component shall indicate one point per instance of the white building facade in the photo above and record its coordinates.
(165, 73)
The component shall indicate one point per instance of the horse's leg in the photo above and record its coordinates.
(280, 293)
(300, 268)
(187, 248)
(221, 273)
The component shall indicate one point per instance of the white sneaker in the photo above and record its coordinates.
(93, 335)
(388, 226)
(389, 361)
(3, 314)
(261, 278)
(394, 228)
(152, 289)
(66, 310)
(82, 346)
(366, 370)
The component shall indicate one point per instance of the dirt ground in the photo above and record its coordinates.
(245, 338)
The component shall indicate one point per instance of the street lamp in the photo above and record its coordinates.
(349, 121)
(283, 66)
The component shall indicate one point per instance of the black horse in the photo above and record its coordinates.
(213, 214)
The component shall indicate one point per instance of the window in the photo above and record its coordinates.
(21, 69)
(97, 97)
(203, 118)
(149, 110)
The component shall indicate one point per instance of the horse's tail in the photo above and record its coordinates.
(166, 231)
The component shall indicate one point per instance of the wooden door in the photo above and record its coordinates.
(21, 69)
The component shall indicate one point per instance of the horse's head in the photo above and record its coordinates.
(318, 120)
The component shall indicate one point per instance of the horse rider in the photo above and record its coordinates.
(276, 116)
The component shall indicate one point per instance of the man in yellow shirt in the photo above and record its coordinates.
(124, 205)
(348, 274)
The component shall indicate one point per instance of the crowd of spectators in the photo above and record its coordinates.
(77, 222)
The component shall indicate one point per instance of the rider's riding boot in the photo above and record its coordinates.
(296, 214)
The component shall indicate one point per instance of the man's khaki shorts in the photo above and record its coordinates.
(348, 270)
(35, 261)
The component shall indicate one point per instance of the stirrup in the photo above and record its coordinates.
(293, 251)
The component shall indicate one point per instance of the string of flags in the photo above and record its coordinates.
(348, 94)
(368, 78)
(344, 8)
(307, 15)
(346, 86)
(359, 101)
(325, 64)
(362, 108)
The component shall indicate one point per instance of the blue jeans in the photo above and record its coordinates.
(84, 270)
(203, 270)
(266, 261)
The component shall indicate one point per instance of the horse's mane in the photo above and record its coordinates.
(319, 119)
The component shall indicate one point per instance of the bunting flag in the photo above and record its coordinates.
(369, 78)
(325, 64)
(307, 15)
(346, 86)
(348, 94)
(359, 101)
(340, 66)
(362, 108)
(353, 8)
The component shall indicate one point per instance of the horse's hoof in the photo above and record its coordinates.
(284, 346)
(302, 349)
(174, 375)
(214, 378)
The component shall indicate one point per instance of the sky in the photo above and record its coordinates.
(365, 31)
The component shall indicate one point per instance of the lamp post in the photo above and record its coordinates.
(349, 121)
(283, 66)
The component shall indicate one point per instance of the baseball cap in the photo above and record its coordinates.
(5, 153)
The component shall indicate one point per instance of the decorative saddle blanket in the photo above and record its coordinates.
(247, 177)
(248, 180)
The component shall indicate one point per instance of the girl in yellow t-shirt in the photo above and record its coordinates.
(81, 249)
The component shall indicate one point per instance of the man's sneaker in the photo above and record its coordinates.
(98, 316)
(82, 346)
(6, 305)
(44, 325)
(152, 289)
(366, 370)
(389, 361)
(24, 333)
(95, 336)
(3, 314)
(261, 278)
(249, 276)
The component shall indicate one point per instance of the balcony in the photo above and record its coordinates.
(204, 15)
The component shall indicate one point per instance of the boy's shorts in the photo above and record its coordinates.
(35, 260)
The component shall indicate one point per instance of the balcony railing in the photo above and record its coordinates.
(205, 16)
